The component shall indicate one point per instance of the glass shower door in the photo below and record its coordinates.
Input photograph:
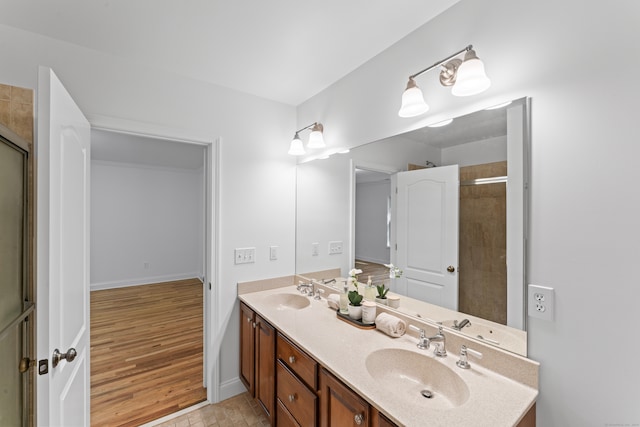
(14, 306)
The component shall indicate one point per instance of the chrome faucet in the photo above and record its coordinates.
(305, 287)
(438, 341)
(462, 324)
(464, 351)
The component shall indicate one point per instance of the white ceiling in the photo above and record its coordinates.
(283, 50)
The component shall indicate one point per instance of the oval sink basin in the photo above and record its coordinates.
(417, 379)
(288, 301)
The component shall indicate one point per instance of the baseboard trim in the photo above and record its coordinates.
(143, 281)
(230, 388)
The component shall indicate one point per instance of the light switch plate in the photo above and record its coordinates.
(541, 302)
(245, 255)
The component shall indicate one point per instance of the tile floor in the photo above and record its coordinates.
(239, 410)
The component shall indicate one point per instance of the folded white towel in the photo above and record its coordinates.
(391, 325)
(333, 301)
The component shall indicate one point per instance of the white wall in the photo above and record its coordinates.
(584, 211)
(476, 153)
(257, 176)
(371, 221)
(145, 215)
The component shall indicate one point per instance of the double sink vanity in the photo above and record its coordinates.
(305, 367)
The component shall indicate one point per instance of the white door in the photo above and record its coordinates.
(427, 235)
(63, 160)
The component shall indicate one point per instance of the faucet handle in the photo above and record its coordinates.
(464, 351)
(318, 293)
(423, 342)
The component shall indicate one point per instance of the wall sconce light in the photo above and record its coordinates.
(466, 76)
(316, 140)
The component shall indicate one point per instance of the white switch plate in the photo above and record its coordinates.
(541, 302)
(335, 247)
(245, 255)
(273, 253)
(315, 249)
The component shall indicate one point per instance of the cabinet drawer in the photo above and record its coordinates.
(284, 418)
(295, 396)
(298, 361)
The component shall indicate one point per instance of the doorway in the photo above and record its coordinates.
(148, 232)
(16, 280)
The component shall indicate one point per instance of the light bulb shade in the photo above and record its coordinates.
(412, 101)
(296, 148)
(471, 78)
(316, 139)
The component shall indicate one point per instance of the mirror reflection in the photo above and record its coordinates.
(454, 227)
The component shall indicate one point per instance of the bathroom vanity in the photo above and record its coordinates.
(306, 367)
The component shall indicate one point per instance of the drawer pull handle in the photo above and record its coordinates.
(358, 419)
(292, 359)
(292, 397)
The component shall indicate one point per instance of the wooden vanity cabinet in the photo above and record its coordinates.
(340, 406)
(297, 383)
(380, 420)
(257, 359)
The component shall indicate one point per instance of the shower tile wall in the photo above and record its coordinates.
(483, 244)
(16, 110)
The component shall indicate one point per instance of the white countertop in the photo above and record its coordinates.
(494, 399)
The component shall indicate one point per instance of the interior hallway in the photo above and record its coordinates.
(146, 352)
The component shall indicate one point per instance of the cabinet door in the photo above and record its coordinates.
(379, 420)
(247, 348)
(339, 405)
(265, 350)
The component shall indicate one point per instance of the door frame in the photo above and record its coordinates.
(353, 165)
(211, 367)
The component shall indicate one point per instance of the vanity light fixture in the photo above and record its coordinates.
(466, 76)
(316, 139)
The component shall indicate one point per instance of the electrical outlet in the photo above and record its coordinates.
(335, 248)
(244, 255)
(541, 301)
(315, 249)
(273, 253)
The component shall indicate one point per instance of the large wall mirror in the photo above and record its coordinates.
(447, 205)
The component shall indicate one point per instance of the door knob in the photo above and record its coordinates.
(451, 269)
(68, 356)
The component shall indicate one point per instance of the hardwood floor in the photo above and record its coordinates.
(378, 272)
(146, 352)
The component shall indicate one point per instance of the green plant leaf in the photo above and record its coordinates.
(382, 291)
(355, 298)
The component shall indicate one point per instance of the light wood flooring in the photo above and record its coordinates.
(146, 352)
(378, 272)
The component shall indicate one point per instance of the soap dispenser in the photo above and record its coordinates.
(370, 291)
(344, 298)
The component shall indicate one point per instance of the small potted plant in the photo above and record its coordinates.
(355, 304)
(382, 294)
